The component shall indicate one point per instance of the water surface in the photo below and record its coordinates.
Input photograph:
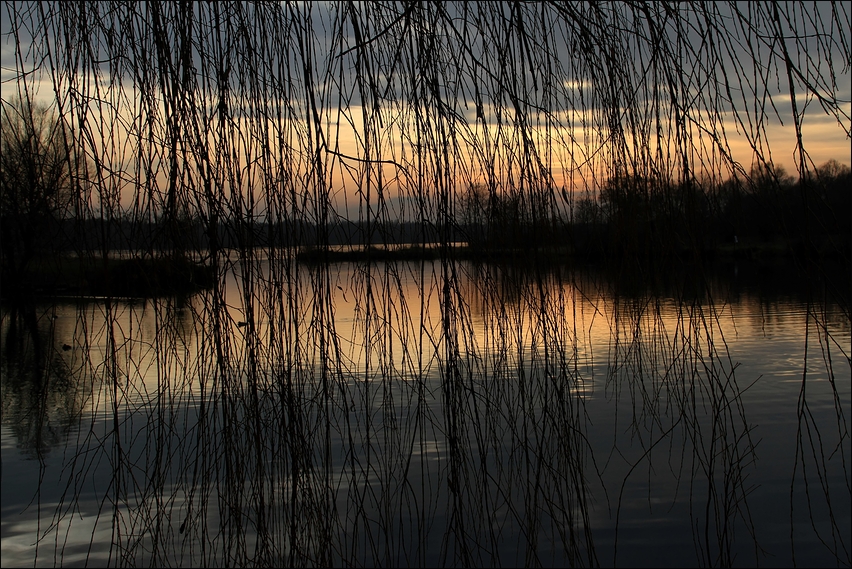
(431, 413)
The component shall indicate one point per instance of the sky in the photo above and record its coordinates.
(340, 103)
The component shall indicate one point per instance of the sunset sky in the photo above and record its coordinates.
(516, 93)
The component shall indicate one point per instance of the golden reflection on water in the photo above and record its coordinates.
(386, 319)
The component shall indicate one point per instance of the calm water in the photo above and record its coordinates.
(424, 414)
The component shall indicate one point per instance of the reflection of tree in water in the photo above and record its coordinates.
(40, 395)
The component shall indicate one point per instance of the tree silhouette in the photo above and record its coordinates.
(36, 184)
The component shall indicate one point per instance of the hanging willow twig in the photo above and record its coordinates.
(251, 137)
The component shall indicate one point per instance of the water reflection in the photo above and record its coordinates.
(429, 413)
(41, 402)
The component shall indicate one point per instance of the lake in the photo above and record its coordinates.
(433, 413)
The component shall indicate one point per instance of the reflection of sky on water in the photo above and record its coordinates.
(384, 448)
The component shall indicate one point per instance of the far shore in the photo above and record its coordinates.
(74, 276)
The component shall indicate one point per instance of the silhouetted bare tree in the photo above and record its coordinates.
(36, 185)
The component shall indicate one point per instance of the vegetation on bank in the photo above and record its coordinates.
(765, 217)
(765, 214)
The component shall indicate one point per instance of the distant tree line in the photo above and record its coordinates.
(640, 216)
